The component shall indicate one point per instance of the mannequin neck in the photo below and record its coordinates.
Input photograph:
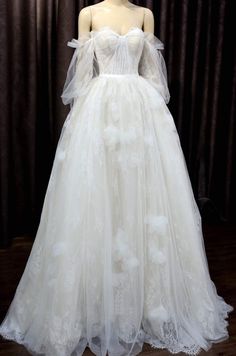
(117, 2)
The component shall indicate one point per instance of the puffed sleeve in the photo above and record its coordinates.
(152, 65)
(82, 69)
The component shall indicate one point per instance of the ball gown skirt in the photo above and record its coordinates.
(119, 256)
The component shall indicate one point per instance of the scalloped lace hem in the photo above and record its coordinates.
(171, 345)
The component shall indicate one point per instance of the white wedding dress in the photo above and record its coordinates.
(119, 257)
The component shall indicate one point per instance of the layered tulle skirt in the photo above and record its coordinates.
(119, 256)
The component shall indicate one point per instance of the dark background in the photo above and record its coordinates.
(200, 54)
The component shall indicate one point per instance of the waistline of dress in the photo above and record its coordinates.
(119, 74)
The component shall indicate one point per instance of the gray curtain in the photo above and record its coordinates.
(200, 55)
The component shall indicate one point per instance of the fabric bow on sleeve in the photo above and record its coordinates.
(81, 70)
(152, 65)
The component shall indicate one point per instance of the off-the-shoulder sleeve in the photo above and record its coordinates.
(82, 69)
(152, 65)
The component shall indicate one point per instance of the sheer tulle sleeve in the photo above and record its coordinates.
(82, 69)
(152, 65)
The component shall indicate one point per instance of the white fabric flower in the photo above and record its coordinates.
(157, 223)
(111, 136)
(122, 251)
(159, 313)
(131, 262)
(156, 255)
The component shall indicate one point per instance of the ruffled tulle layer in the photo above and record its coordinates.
(119, 256)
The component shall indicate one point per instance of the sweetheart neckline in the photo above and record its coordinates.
(117, 34)
(146, 35)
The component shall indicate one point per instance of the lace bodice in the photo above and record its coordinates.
(106, 52)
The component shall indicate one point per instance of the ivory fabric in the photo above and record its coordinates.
(119, 256)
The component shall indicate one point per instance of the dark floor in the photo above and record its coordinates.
(220, 243)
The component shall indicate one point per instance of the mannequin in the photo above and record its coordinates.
(119, 15)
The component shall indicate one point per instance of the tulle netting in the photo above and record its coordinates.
(119, 255)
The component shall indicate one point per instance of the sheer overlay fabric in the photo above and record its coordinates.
(84, 65)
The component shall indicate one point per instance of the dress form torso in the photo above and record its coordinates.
(119, 17)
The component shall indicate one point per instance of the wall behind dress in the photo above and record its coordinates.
(201, 63)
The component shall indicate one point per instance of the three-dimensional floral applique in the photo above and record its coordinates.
(122, 251)
(111, 136)
(157, 224)
(155, 254)
(159, 313)
(157, 227)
